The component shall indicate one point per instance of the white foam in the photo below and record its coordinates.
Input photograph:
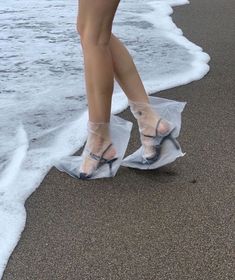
(15, 163)
(42, 86)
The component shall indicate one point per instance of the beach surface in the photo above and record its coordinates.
(176, 222)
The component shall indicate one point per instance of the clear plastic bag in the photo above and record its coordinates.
(120, 130)
(171, 111)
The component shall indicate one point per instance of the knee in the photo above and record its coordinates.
(93, 36)
(92, 39)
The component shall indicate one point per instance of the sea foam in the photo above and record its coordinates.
(43, 109)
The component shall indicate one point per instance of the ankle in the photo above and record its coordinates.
(143, 111)
(101, 129)
(147, 118)
(96, 143)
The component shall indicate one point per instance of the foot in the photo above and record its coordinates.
(147, 126)
(95, 144)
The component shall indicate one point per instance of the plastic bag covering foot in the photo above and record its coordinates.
(169, 149)
(120, 134)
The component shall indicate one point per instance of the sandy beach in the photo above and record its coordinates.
(176, 222)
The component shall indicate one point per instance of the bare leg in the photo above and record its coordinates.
(129, 79)
(125, 71)
(94, 24)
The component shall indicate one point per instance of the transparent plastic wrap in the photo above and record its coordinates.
(120, 130)
(170, 110)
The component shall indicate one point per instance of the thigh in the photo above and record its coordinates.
(95, 18)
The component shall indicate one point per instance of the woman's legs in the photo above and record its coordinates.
(94, 25)
(125, 71)
(128, 78)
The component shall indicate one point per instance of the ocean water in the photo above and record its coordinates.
(43, 109)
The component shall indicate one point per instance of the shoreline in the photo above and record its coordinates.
(94, 213)
(66, 142)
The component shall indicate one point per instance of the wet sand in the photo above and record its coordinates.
(175, 222)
